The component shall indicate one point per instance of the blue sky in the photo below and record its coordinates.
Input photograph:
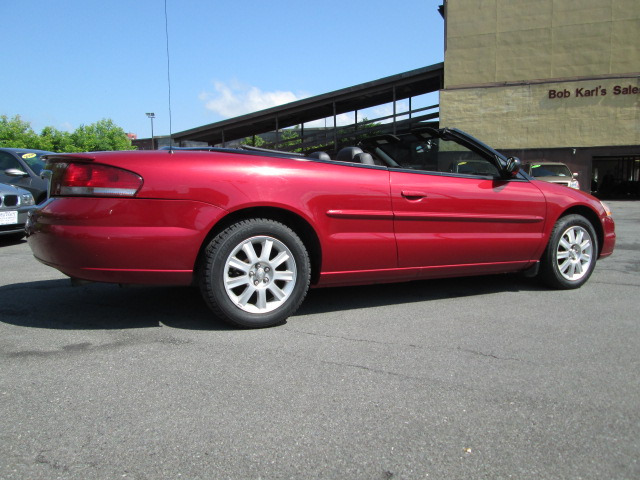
(76, 62)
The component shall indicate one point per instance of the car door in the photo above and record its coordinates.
(455, 213)
(8, 162)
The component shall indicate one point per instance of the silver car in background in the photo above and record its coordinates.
(554, 172)
(15, 205)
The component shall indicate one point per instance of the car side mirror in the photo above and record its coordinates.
(575, 175)
(15, 172)
(513, 166)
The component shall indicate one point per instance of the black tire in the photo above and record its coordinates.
(571, 254)
(255, 274)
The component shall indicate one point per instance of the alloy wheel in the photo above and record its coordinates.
(574, 253)
(260, 274)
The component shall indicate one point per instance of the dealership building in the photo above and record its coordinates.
(552, 80)
(543, 80)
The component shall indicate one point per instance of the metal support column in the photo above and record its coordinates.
(394, 110)
(335, 128)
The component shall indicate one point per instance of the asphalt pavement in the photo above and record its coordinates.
(476, 378)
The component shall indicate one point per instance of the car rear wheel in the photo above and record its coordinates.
(571, 254)
(255, 273)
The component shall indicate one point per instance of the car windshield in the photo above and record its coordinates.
(430, 153)
(34, 160)
(550, 171)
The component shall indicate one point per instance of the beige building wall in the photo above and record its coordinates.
(598, 112)
(505, 58)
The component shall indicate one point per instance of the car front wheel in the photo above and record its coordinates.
(255, 273)
(571, 254)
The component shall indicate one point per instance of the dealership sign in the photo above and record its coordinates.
(594, 92)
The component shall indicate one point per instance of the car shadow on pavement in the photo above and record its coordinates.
(55, 304)
(6, 241)
(324, 300)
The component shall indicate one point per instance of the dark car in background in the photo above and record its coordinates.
(15, 205)
(21, 167)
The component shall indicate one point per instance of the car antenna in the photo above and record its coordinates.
(166, 31)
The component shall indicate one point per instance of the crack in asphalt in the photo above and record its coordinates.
(373, 370)
(616, 283)
(421, 347)
(491, 355)
(350, 339)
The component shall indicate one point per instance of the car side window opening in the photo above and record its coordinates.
(437, 155)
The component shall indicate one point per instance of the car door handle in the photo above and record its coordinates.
(413, 194)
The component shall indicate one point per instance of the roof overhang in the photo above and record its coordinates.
(358, 97)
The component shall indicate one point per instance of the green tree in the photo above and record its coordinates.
(16, 133)
(101, 135)
(289, 138)
(254, 141)
(56, 141)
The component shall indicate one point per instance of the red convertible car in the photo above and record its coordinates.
(254, 229)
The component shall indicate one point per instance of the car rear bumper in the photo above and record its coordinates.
(121, 240)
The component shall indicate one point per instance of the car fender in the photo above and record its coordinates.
(562, 200)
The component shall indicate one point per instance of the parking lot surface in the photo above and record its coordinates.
(489, 377)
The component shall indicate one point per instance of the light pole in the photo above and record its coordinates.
(151, 117)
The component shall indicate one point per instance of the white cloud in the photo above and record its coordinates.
(231, 100)
(385, 110)
(342, 119)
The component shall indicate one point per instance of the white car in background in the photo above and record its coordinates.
(554, 172)
(15, 205)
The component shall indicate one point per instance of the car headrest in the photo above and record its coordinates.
(319, 155)
(347, 154)
(364, 158)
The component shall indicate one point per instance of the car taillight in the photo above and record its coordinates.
(95, 180)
